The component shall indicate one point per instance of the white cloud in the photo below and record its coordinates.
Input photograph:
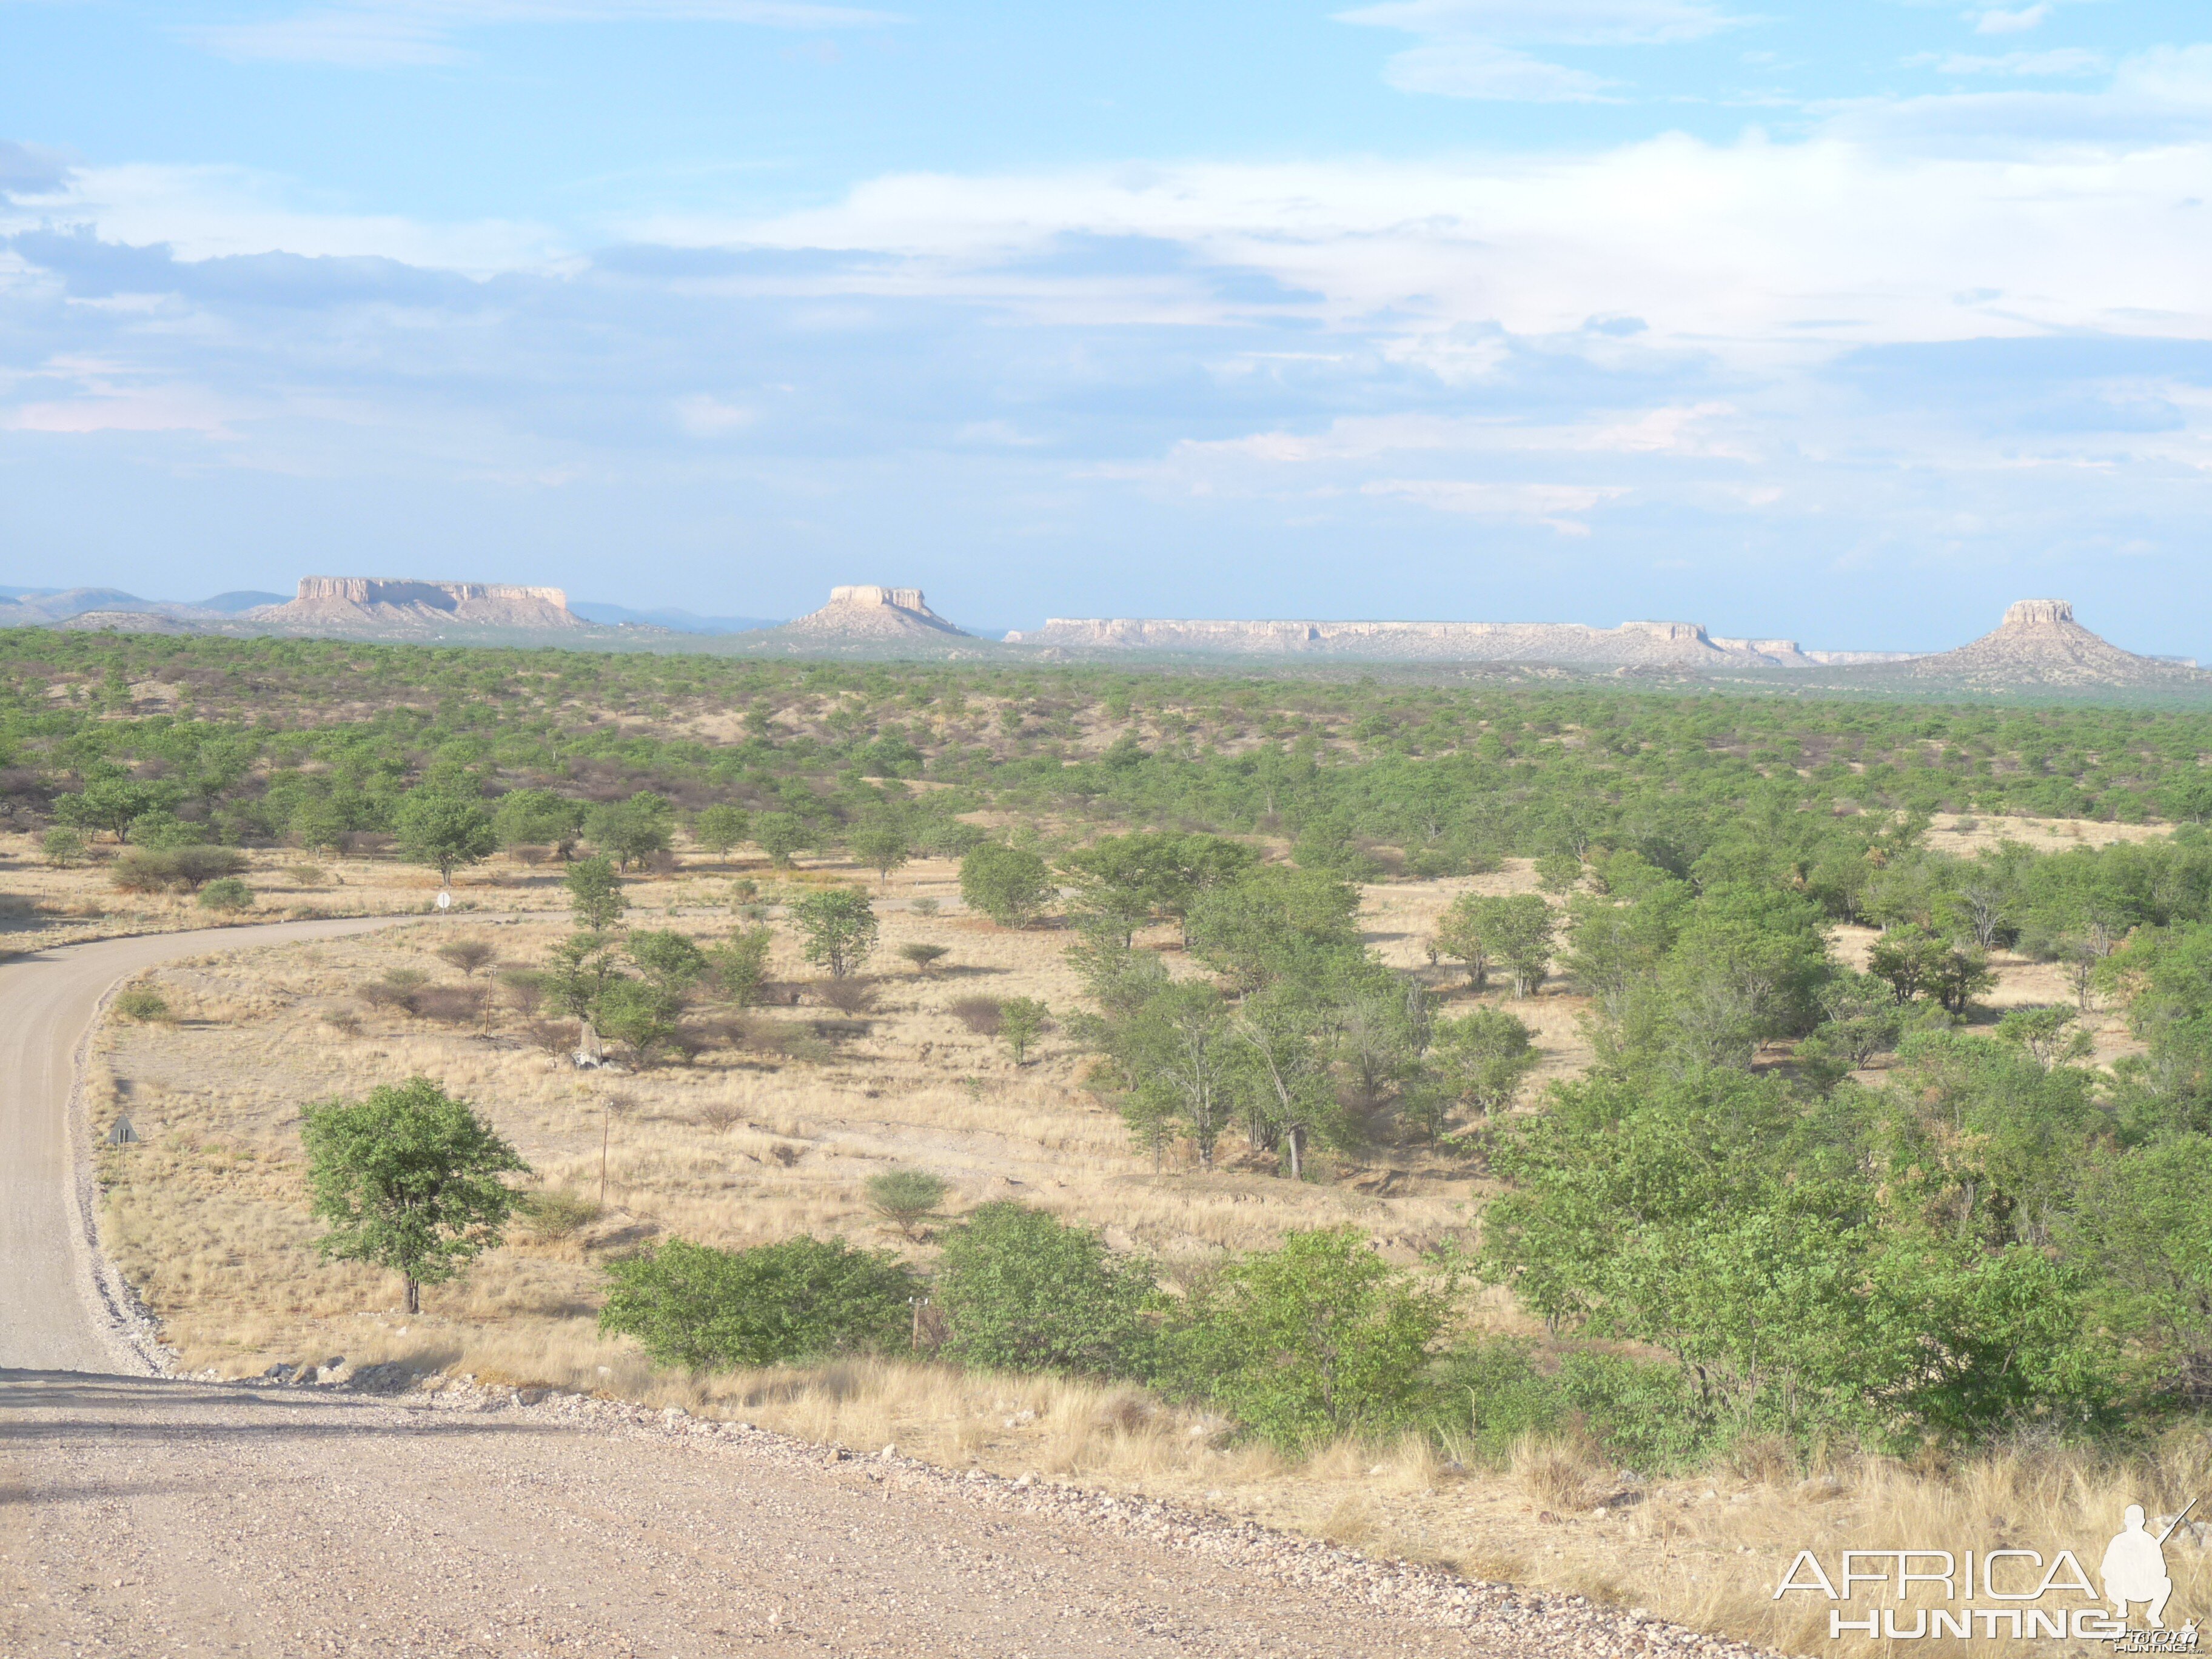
(1750, 251)
(1997, 21)
(205, 212)
(387, 33)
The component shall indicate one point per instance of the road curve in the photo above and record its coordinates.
(146, 1515)
(56, 1310)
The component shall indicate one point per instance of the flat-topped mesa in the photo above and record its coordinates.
(373, 602)
(905, 598)
(2037, 613)
(865, 611)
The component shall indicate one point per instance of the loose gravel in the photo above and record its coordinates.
(185, 1516)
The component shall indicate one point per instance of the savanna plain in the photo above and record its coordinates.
(1751, 1127)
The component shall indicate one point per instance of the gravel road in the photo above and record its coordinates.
(143, 1515)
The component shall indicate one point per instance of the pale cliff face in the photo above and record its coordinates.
(369, 602)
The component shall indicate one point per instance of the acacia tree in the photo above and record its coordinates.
(840, 926)
(444, 828)
(721, 827)
(408, 1179)
(881, 845)
(595, 893)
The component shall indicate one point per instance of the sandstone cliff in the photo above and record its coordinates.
(362, 602)
(1633, 644)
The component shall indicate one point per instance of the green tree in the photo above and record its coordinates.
(538, 817)
(582, 967)
(780, 835)
(881, 845)
(668, 959)
(739, 965)
(803, 1298)
(1317, 1338)
(1023, 1291)
(645, 1018)
(63, 847)
(839, 928)
(632, 831)
(595, 893)
(1021, 1023)
(721, 827)
(1514, 932)
(408, 1179)
(1010, 885)
(441, 827)
(1128, 880)
(1482, 1058)
(1288, 1038)
(1276, 923)
(111, 803)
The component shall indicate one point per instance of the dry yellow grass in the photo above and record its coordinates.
(208, 1217)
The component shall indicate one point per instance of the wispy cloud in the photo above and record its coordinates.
(392, 33)
(1472, 48)
(1998, 20)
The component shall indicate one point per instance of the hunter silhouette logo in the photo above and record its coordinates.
(2133, 1568)
(2010, 1592)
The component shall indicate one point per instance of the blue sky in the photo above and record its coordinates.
(1848, 323)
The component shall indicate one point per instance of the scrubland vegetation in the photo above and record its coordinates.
(1602, 1138)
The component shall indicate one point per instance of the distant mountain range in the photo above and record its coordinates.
(2038, 646)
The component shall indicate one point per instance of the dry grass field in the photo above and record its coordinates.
(207, 1216)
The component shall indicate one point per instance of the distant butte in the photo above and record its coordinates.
(867, 614)
(2040, 643)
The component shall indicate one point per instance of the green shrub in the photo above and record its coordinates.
(174, 869)
(141, 1003)
(62, 847)
(1317, 1338)
(1640, 1413)
(229, 895)
(804, 1298)
(560, 1213)
(1024, 1292)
